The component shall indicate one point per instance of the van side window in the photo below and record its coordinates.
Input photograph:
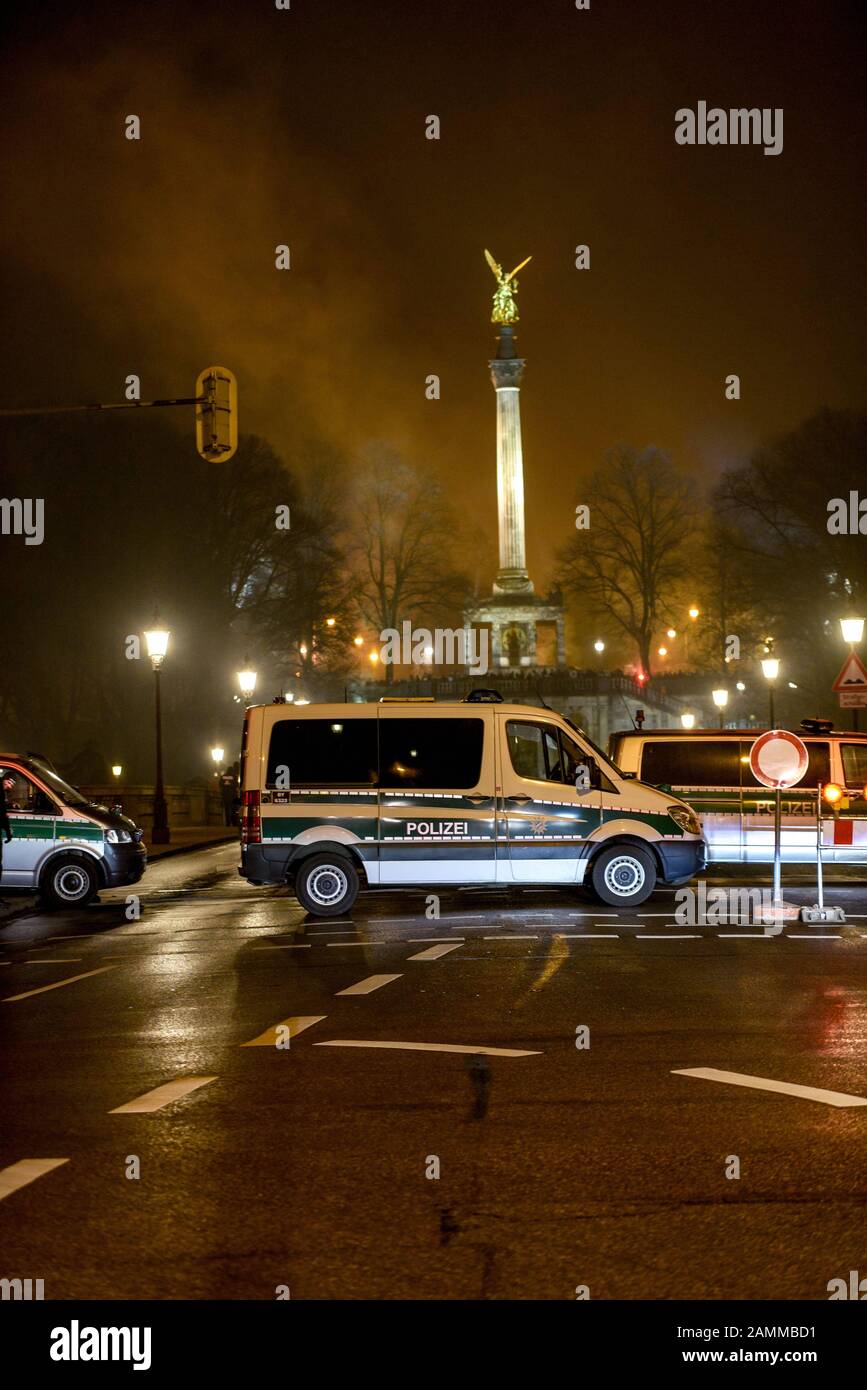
(691, 763)
(854, 763)
(324, 752)
(534, 751)
(24, 796)
(431, 754)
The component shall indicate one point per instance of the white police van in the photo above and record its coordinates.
(415, 792)
(710, 768)
(63, 846)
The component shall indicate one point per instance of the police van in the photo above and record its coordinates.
(415, 792)
(63, 846)
(710, 768)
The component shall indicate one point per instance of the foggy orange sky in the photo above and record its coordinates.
(307, 127)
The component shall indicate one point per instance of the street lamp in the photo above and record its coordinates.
(116, 769)
(671, 633)
(720, 698)
(217, 756)
(853, 631)
(358, 641)
(157, 642)
(688, 721)
(247, 681)
(599, 646)
(770, 671)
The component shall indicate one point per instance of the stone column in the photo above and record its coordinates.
(506, 373)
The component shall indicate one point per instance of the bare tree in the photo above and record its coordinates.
(405, 534)
(629, 563)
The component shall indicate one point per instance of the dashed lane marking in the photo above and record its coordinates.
(297, 946)
(744, 936)
(429, 1047)
(762, 1083)
(812, 936)
(162, 1096)
(26, 1170)
(341, 945)
(58, 984)
(368, 985)
(295, 1025)
(509, 937)
(436, 952)
(590, 936)
(659, 936)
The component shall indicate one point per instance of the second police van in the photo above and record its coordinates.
(710, 768)
(415, 792)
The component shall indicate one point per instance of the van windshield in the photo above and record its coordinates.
(601, 757)
(62, 790)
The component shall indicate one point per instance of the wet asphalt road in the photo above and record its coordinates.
(308, 1166)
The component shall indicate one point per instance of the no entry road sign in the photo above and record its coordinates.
(778, 758)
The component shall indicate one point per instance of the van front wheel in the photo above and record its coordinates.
(69, 882)
(623, 875)
(326, 885)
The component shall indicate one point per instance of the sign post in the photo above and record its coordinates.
(778, 759)
(851, 685)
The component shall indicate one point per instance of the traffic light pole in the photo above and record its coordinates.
(122, 405)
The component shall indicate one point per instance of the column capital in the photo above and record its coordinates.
(505, 373)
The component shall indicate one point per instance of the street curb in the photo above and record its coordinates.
(20, 908)
(187, 849)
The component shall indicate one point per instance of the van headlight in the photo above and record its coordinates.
(117, 837)
(685, 818)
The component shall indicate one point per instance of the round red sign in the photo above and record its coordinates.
(778, 758)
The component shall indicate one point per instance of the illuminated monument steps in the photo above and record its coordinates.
(526, 629)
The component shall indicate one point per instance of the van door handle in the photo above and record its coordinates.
(519, 800)
(476, 800)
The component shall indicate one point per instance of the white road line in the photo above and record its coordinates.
(743, 936)
(812, 936)
(509, 937)
(298, 946)
(70, 980)
(344, 931)
(24, 1171)
(435, 952)
(162, 1095)
(590, 936)
(413, 940)
(429, 1047)
(368, 985)
(295, 1025)
(658, 936)
(761, 1083)
(341, 945)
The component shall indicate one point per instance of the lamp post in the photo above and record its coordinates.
(599, 648)
(688, 721)
(217, 755)
(247, 681)
(720, 698)
(116, 770)
(770, 671)
(853, 631)
(157, 640)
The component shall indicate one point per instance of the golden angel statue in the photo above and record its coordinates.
(505, 308)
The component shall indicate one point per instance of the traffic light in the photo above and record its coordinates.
(216, 414)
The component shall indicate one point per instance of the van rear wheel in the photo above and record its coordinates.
(69, 882)
(623, 875)
(326, 885)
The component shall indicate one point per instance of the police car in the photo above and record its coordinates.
(414, 792)
(63, 846)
